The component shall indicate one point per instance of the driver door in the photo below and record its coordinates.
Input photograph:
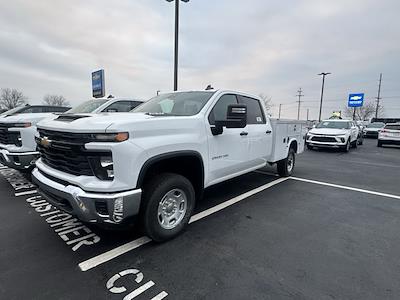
(229, 151)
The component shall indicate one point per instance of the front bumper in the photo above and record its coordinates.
(18, 160)
(331, 144)
(88, 206)
(371, 134)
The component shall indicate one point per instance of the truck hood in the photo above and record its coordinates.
(32, 118)
(329, 131)
(92, 122)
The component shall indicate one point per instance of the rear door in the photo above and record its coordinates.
(259, 131)
(228, 152)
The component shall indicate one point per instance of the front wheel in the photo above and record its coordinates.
(168, 203)
(286, 166)
(347, 147)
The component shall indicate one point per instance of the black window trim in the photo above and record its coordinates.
(261, 108)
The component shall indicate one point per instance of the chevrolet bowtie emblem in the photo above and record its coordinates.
(45, 142)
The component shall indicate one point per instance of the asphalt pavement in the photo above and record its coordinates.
(330, 232)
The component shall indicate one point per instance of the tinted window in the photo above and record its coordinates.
(121, 106)
(392, 127)
(334, 125)
(33, 110)
(254, 112)
(176, 104)
(88, 106)
(220, 109)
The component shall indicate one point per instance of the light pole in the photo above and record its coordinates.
(322, 93)
(176, 41)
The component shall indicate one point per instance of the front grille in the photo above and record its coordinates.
(324, 139)
(66, 152)
(8, 137)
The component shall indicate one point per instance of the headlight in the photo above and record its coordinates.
(110, 137)
(21, 125)
(102, 167)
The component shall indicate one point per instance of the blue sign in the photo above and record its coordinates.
(98, 87)
(356, 100)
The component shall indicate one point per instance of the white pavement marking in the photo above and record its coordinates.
(139, 290)
(25, 193)
(160, 296)
(344, 187)
(109, 255)
(237, 199)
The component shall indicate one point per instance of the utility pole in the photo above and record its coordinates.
(280, 109)
(298, 107)
(323, 74)
(379, 96)
(308, 111)
(176, 41)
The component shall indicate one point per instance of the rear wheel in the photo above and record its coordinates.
(286, 166)
(168, 203)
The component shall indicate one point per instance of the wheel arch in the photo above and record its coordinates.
(176, 162)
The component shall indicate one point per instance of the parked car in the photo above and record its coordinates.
(154, 162)
(333, 133)
(372, 129)
(389, 135)
(18, 128)
(360, 137)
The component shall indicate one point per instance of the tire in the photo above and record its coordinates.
(347, 147)
(286, 166)
(379, 143)
(355, 144)
(161, 196)
(309, 147)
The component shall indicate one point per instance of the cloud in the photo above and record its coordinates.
(260, 46)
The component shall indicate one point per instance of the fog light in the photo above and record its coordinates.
(342, 140)
(118, 212)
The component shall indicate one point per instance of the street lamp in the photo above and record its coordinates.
(176, 41)
(322, 93)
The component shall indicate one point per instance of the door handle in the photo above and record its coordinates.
(244, 133)
(268, 132)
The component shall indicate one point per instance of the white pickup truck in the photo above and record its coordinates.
(18, 148)
(155, 162)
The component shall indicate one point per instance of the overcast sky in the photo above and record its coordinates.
(257, 46)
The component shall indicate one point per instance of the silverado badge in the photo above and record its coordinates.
(45, 142)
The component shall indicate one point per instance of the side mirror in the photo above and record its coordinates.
(236, 117)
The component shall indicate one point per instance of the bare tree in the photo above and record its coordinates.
(267, 101)
(55, 100)
(10, 98)
(364, 112)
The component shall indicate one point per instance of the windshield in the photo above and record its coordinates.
(334, 125)
(13, 111)
(376, 125)
(175, 104)
(87, 107)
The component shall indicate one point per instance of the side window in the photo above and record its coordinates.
(221, 108)
(119, 106)
(255, 114)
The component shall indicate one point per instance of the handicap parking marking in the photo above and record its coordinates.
(346, 187)
(25, 193)
(111, 254)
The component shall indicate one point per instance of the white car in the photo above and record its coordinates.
(372, 129)
(389, 135)
(155, 162)
(17, 132)
(333, 133)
